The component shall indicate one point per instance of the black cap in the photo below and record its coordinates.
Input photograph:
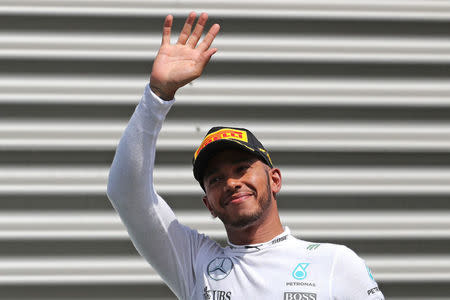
(219, 138)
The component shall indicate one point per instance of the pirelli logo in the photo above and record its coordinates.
(226, 133)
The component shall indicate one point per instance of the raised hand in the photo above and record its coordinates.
(177, 65)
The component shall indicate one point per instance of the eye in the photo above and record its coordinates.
(213, 179)
(243, 167)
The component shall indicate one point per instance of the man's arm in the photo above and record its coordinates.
(169, 246)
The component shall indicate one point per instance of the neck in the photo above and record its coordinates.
(263, 230)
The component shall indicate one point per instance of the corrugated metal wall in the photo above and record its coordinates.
(351, 97)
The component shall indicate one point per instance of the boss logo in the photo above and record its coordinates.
(299, 296)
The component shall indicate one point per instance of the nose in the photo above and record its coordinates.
(233, 183)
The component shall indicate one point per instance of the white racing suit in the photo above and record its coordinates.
(196, 267)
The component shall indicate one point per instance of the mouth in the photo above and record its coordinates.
(237, 198)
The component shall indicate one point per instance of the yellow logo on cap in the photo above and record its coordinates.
(222, 134)
(266, 153)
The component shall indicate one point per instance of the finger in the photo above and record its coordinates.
(166, 30)
(193, 40)
(186, 31)
(209, 38)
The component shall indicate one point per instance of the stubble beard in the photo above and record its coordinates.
(264, 202)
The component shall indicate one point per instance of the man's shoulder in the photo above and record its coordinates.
(209, 247)
(318, 248)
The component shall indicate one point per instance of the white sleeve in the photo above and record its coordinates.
(351, 279)
(154, 230)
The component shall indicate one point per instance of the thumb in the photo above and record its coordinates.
(208, 54)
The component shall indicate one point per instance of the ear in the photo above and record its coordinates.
(275, 180)
(208, 206)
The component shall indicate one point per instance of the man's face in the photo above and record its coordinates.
(238, 187)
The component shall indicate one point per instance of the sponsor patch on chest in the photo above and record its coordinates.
(299, 296)
(216, 294)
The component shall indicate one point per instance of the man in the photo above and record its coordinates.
(263, 260)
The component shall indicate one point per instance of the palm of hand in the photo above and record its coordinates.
(177, 65)
(180, 63)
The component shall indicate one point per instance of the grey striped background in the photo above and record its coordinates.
(352, 98)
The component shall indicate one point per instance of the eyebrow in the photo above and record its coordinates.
(236, 161)
(209, 173)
